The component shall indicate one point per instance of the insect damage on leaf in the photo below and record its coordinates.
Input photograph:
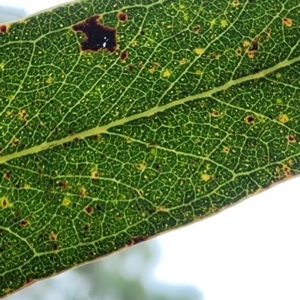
(97, 36)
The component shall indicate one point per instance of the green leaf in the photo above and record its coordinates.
(122, 120)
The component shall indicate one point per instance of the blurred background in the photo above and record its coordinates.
(250, 251)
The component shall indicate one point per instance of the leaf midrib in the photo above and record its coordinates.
(105, 129)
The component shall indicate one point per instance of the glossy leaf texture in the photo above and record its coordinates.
(124, 119)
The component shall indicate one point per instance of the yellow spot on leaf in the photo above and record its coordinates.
(153, 151)
(183, 61)
(22, 114)
(246, 43)
(283, 118)
(4, 203)
(198, 51)
(66, 201)
(133, 43)
(26, 186)
(224, 23)
(205, 177)
(94, 174)
(226, 149)
(49, 80)
(251, 54)
(212, 22)
(199, 72)
(166, 73)
(141, 167)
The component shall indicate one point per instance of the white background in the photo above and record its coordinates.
(250, 251)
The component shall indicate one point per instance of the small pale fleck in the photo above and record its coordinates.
(246, 43)
(224, 23)
(205, 177)
(166, 73)
(198, 51)
(66, 201)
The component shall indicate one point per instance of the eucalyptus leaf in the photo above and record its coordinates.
(124, 119)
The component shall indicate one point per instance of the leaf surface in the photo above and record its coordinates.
(122, 120)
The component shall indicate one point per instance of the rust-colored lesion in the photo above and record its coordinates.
(137, 239)
(122, 17)
(3, 29)
(97, 35)
(123, 55)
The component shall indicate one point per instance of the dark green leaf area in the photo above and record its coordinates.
(173, 51)
(196, 108)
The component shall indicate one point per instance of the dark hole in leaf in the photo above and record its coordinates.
(97, 35)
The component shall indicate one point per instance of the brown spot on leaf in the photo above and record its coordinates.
(255, 44)
(95, 174)
(268, 33)
(215, 114)
(122, 17)
(253, 47)
(161, 208)
(130, 68)
(4, 203)
(63, 184)
(14, 141)
(249, 119)
(97, 35)
(88, 209)
(226, 149)
(238, 51)
(7, 175)
(235, 3)
(85, 227)
(24, 223)
(137, 239)
(124, 55)
(287, 22)
(291, 139)
(54, 246)
(196, 29)
(3, 29)
(286, 170)
(53, 236)
(82, 192)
